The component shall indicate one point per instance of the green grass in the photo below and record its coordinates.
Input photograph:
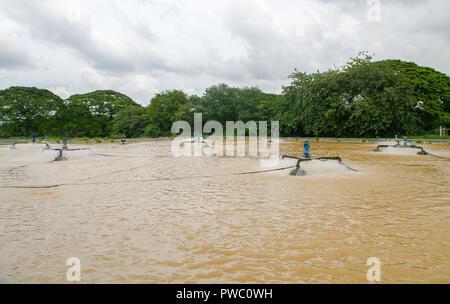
(428, 137)
(14, 138)
(112, 138)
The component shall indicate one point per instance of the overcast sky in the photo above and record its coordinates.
(142, 47)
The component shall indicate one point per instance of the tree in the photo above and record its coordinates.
(130, 122)
(268, 106)
(364, 98)
(76, 120)
(430, 90)
(95, 111)
(224, 103)
(381, 101)
(164, 109)
(24, 111)
(317, 108)
(220, 103)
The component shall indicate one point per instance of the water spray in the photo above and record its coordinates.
(421, 152)
(195, 140)
(298, 171)
(421, 149)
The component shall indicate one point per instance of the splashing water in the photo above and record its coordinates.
(324, 168)
(400, 150)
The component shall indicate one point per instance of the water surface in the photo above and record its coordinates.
(135, 214)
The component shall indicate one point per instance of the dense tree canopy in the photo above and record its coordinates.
(224, 103)
(430, 89)
(164, 109)
(361, 99)
(26, 110)
(365, 99)
(130, 122)
(92, 114)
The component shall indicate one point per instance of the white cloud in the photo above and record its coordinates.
(141, 47)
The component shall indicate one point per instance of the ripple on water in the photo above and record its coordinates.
(144, 216)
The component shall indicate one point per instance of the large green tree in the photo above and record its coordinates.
(219, 103)
(364, 98)
(224, 103)
(164, 109)
(129, 122)
(429, 88)
(92, 114)
(25, 110)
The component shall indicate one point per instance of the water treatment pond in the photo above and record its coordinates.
(135, 214)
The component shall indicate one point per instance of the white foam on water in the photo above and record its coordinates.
(79, 154)
(313, 168)
(282, 163)
(390, 142)
(28, 147)
(400, 150)
(325, 168)
(39, 156)
(37, 153)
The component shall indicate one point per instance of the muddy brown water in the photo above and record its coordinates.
(144, 216)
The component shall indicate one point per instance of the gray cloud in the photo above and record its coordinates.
(144, 46)
(56, 29)
(12, 57)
